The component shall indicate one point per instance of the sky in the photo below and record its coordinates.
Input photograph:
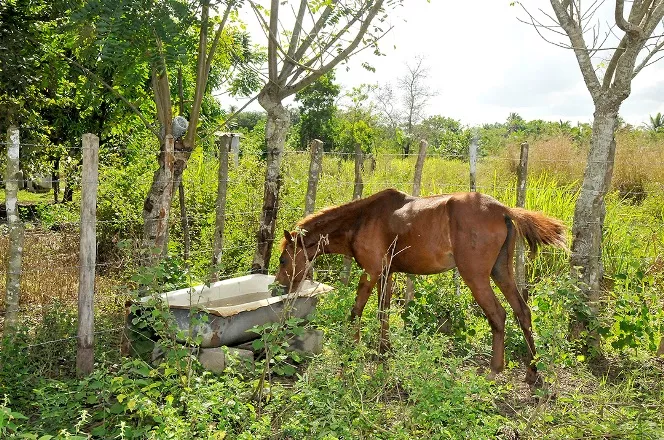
(484, 64)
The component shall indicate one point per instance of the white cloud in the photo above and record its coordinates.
(485, 64)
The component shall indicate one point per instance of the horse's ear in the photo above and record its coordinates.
(288, 236)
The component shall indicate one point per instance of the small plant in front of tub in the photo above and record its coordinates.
(274, 338)
(153, 323)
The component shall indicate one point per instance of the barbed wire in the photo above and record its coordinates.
(328, 176)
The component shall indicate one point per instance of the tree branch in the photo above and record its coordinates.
(110, 88)
(237, 112)
(580, 50)
(306, 43)
(321, 53)
(646, 61)
(272, 41)
(377, 6)
(629, 28)
(201, 76)
(217, 37)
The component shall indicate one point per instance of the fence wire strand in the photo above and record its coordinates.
(249, 216)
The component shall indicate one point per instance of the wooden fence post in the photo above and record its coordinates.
(417, 182)
(16, 237)
(472, 156)
(225, 142)
(522, 176)
(88, 255)
(315, 167)
(357, 193)
(235, 148)
(473, 163)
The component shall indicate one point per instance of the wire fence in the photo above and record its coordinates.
(51, 264)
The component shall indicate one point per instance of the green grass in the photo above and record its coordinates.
(28, 197)
(432, 386)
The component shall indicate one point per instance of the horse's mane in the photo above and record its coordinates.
(339, 212)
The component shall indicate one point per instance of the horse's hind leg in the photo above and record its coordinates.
(479, 285)
(503, 275)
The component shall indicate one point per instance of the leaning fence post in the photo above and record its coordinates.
(522, 176)
(315, 167)
(357, 193)
(225, 141)
(88, 255)
(13, 175)
(417, 182)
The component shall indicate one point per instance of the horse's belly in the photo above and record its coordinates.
(425, 264)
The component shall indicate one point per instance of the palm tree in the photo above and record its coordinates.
(656, 123)
(515, 123)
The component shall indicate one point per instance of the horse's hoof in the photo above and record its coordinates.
(533, 378)
(491, 377)
(385, 349)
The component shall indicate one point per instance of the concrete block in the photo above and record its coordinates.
(215, 359)
(311, 342)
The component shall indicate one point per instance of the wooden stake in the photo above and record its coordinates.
(16, 237)
(224, 141)
(88, 255)
(357, 193)
(521, 186)
(315, 167)
(417, 181)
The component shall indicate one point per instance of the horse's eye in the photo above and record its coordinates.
(282, 260)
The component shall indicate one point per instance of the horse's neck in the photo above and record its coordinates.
(331, 231)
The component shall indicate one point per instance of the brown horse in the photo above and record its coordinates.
(393, 232)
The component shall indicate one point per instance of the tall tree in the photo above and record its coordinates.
(656, 123)
(415, 93)
(640, 40)
(317, 110)
(322, 35)
(391, 114)
(146, 44)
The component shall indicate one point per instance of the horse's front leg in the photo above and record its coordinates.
(384, 298)
(364, 288)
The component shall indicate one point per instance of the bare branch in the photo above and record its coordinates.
(647, 60)
(289, 90)
(324, 50)
(306, 43)
(580, 49)
(297, 30)
(241, 109)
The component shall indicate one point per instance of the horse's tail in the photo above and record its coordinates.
(538, 229)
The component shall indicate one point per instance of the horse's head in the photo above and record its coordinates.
(292, 262)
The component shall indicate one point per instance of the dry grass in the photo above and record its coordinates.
(50, 271)
(638, 163)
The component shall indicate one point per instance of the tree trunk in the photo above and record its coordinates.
(276, 128)
(68, 193)
(586, 259)
(185, 222)
(156, 208)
